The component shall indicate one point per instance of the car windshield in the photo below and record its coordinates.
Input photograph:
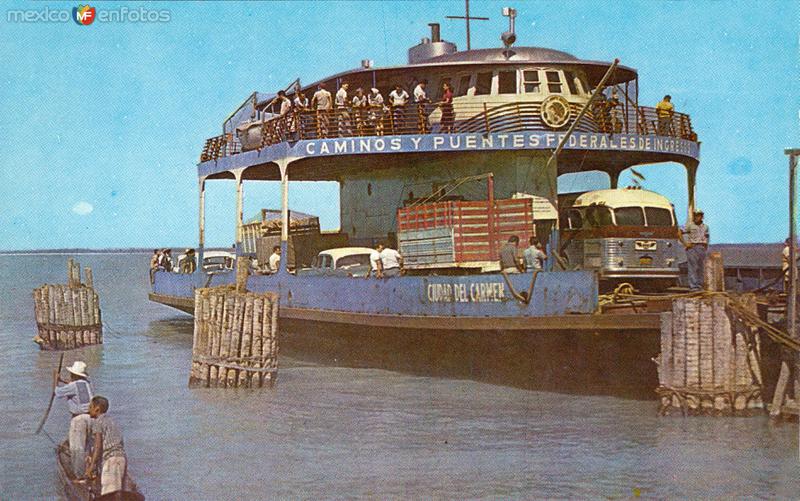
(351, 261)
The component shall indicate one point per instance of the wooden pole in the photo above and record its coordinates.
(792, 297)
(89, 277)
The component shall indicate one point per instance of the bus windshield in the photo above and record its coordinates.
(658, 217)
(596, 216)
(629, 216)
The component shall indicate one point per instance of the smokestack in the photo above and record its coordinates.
(435, 35)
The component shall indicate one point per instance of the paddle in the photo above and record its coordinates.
(52, 395)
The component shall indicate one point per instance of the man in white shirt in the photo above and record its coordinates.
(397, 100)
(534, 256)
(421, 98)
(322, 102)
(391, 262)
(375, 262)
(275, 259)
(342, 115)
(375, 101)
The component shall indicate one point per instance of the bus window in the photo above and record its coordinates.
(658, 217)
(629, 216)
(463, 85)
(575, 219)
(572, 82)
(483, 84)
(531, 81)
(507, 82)
(597, 216)
(553, 81)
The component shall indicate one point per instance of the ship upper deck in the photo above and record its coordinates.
(502, 99)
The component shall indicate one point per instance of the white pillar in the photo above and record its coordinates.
(283, 165)
(239, 207)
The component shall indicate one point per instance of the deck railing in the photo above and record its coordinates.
(485, 117)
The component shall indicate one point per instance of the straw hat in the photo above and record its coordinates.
(78, 368)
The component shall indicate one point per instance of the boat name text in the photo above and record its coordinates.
(475, 292)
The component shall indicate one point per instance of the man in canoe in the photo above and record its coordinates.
(108, 442)
(78, 393)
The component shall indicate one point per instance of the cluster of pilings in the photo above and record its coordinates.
(235, 338)
(68, 316)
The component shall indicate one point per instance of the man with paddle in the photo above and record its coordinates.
(78, 392)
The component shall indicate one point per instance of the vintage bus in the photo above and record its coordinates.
(626, 235)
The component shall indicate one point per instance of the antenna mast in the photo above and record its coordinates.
(467, 18)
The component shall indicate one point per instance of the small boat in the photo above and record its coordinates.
(76, 489)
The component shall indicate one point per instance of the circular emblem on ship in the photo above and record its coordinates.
(555, 111)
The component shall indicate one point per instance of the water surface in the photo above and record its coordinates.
(329, 431)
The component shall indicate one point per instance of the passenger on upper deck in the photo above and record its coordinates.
(342, 115)
(446, 104)
(322, 102)
(375, 101)
(397, 100)
(300, 102)
(664, 110)
(286, 104)
(359, 103)
(421, 99)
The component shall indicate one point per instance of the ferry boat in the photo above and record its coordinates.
(520, 117)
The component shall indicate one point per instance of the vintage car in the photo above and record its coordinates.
(344, 261)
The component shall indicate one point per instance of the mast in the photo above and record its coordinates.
(467, 18)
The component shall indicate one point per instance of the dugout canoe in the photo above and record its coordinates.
(84, 490)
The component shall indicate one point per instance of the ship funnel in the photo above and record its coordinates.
(435, 35)
(510, 36)
(430, 47)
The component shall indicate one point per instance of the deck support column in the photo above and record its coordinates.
(613, 180)
(239, 210)
(691, 181)
(201, 219)
(283, 165)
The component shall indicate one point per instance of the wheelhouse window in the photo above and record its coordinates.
(483, 83)
(629, 216)
(554, 84)
(507, 82)
(531, 82)
(658, 217)
(463, 85)
(573, 83)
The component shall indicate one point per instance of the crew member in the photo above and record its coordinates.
(78, 393)
(695, 238)
(508, 256)
(391, 262)
(534, 255)
(664, 110)
(108, 442)
(275, 259)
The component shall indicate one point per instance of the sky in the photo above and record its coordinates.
(101, 126)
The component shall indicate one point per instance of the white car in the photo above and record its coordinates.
(343, 262)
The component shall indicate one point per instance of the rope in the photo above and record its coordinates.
(626, 293)
(521, 297)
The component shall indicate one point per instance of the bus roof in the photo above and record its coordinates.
(623, 197)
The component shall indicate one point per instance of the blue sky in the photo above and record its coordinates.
(101, 125)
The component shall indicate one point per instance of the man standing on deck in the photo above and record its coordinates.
(695, 238)
(534, 256)
(275, 259)
(322, 102)
(375, 262)
(342, 115)
(421, 99)
(154, 259)
(664, 110)
(78, 393)
(397, 100)
(508, 256)
(108, 442)
(391, 262)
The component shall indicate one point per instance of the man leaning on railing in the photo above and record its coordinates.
(664, 111)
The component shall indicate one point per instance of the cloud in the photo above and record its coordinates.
(82, 208)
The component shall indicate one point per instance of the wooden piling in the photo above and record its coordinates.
(708, 362)
(233, 346)
(67, 316)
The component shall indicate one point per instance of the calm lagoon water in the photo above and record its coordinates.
(330, 431)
